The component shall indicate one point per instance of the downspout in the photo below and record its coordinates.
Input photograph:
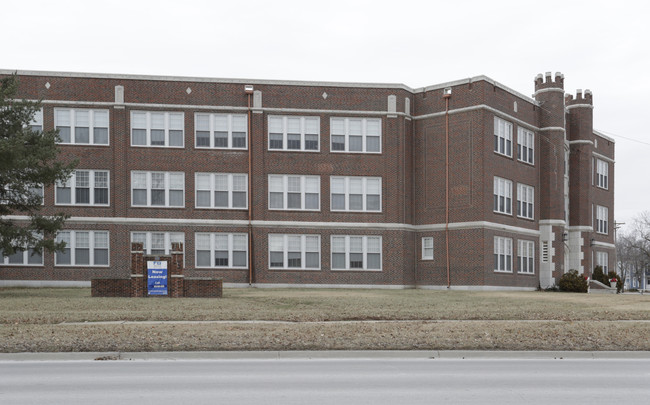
(447, 95)
(249, 92)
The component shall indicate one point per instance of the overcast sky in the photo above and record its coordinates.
(598, 45)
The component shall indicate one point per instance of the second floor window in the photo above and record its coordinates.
(287, 192)
(222, 190)
(355, 194)
(525, 201)
(525, 145)
(355, 135)
(502, 196)
(80, 126)
(502, 137)
(221, 131)
(602, 174)
(157, 189)
(162, 129)
(294, 133)
(84, 187)
(602, 215)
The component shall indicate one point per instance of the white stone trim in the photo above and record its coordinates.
(480, 107)
(474, 288)
(603, 157)
(581, 142)
(549, 90)
(581, 228)
(43, 283)
(602, 135)
(552, 222)
(553, 129)
(361, 286)
(604, 244)
(572, 106)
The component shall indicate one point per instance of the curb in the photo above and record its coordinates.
(324, 355)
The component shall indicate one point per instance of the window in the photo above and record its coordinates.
(355, 194)
(602, 260)
(294, 252)
(602, 215)
(356, 135)
(525, 145)
(36, 123)
(77, 126)
(159, 129)
(525, 201)
(427, 248)
(526, 256)
(502, 196)
(288, 192)
(221, 250)
(358, 253)
(22, 193)
(222, 190)
(602, 174)
(22, 257)
(502, 137)
(84, 187)
(157, 243)
(157, 189)
(502, 254)
(83, 248)
(221, 131)
(294, 133)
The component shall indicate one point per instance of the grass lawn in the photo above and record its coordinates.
(46, 319)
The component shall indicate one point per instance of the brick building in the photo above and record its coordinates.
(467, 184)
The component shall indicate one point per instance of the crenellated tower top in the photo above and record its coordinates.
(580, 98)
(547, 82)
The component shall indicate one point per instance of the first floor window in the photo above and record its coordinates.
(222, 190)
(427, 248)
(161, 189)
(83, 248)
(287, 192)
(355, 194)
(526, 256)
(294, 252)
(502, 196)
(502, 137)
(356, 252)
(157, 243)
(602, 215)
(602, 260)
(221, 250)
(84, 187)
(22, 257)
(502, 254)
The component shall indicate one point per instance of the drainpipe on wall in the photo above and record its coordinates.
(447, 95)
(249, 92)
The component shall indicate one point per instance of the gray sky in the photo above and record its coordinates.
(598, 45)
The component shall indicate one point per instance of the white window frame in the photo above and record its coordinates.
(347, 250)
(502, 190)
(602, 174)
(602, 220)
(26, 257)
(92, 246)
(503, 254)
(230, 189)
(39, 190)
(37, 121)
(502, 137)
(427, 248)
(282, 240)
(168, 239)
(347, 182)
(602, 260)
(525, 201)
(526, 257)
(281, 125)
(313, 182)
(214, 119)
(71, 183)
(525, 145)
(345, 124)
(212, 239)
(168, 189)
(168, 118)
(72, 115)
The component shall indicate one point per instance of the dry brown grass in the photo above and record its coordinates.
(39, 320)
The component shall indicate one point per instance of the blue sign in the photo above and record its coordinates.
(156, 278)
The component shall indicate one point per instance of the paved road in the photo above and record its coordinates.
(327, 381)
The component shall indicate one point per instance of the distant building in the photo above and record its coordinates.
(467, 184)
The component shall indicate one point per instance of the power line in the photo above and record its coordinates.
(624, 137)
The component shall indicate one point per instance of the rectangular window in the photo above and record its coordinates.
(84, 187)
(83, 248)
(294, 133)
(36, 124)
(525, 145)
(22, 257)
(356, 253)
(221, 250)
(355, 135)
(355, 194)
(525, 201)
(158, 243)
(287, 192)
(602, 260)
(602, 174)
(427, 248)
(221, 131)
(526, 257)
(78, 126)
(222, 190)
(502, 254)
(158, 189)
(294, 252)
(157, 129)
(602, 216)
(502, 137)
(502, 196)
